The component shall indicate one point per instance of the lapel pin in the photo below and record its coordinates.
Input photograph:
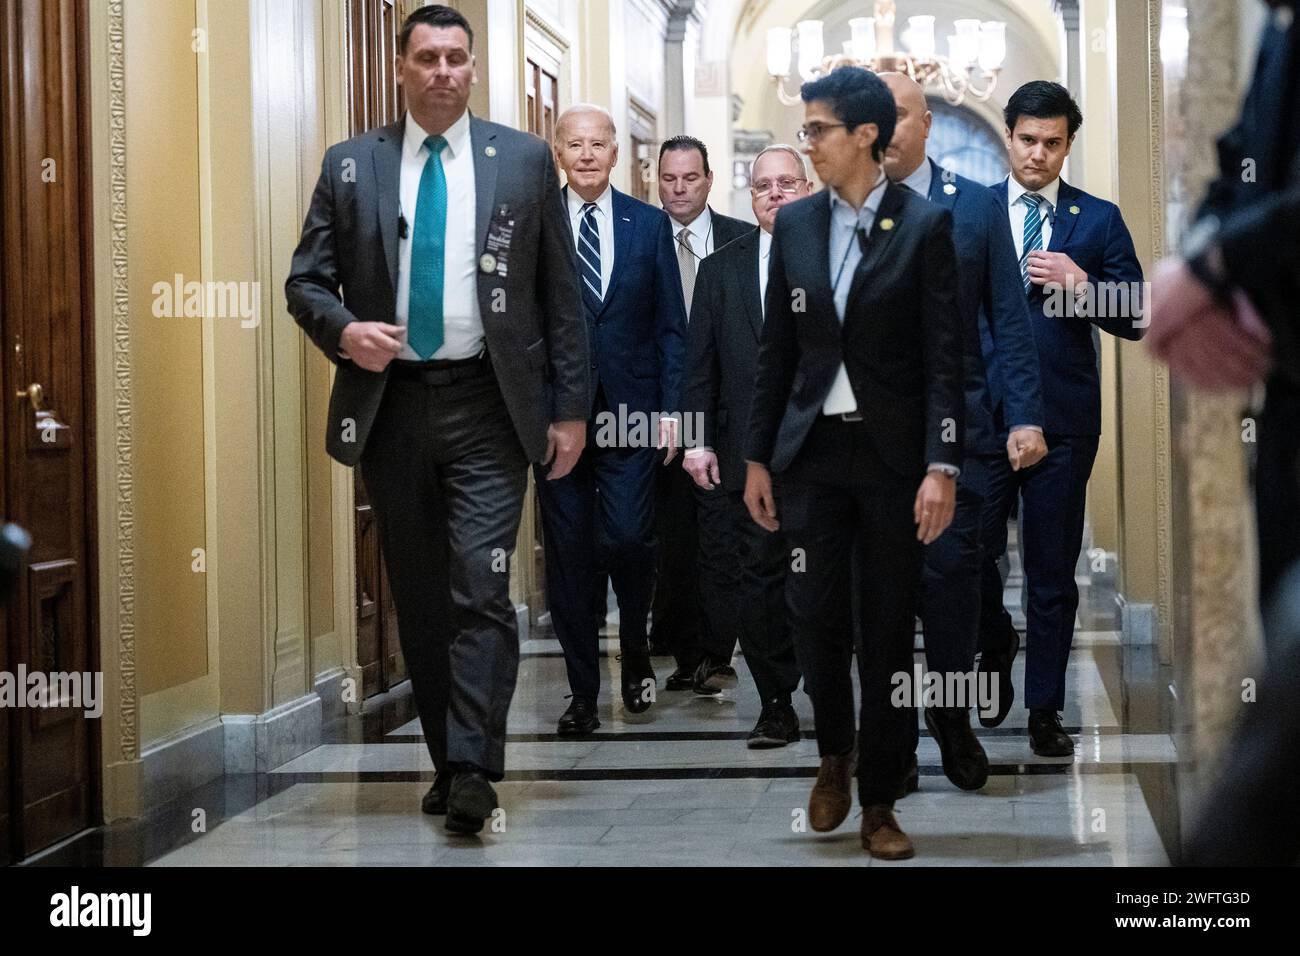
(886, 224)
(949, 188)
(487, 262)
(1074, 210)
(490, 152)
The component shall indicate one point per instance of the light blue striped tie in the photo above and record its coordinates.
(1033, 234)
(424, 322)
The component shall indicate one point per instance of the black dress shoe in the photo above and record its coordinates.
(713, 678)
(636, 671)
(435, 801)
(964, 760)
(911, 780)
(1000, 666)
(1046, 735)
(681, 679)
(470, 802)
(580, 718)
(777, 726)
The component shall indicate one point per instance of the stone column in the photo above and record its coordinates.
(1215, 639)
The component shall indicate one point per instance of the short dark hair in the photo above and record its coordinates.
(434, 15)
(856, 96)
(1043, 99)
(684, 143)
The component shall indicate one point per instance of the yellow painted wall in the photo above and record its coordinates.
(162, 193)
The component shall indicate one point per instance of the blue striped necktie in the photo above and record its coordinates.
(1033, 234)
(424, 319)
(589, 257)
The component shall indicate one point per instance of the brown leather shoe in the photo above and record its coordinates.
(881, 835)
(832, 796)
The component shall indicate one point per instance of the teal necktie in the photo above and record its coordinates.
(428, 239)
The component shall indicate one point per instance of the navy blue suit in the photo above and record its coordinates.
(992, 304)
(637, 336)
(1090, 231)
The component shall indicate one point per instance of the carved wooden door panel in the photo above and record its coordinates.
(49, 754)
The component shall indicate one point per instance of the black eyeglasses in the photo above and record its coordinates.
(815, 131)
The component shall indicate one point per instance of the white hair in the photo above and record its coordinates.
(782, 148)
(586, 108)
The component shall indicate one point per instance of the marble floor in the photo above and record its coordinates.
(678, 787)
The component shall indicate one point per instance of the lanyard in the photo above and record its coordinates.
(843, 262)
(707, 236)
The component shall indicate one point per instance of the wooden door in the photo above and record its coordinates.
(374, 99)
(51, 758)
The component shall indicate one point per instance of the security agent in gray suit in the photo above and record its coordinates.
(462, 356)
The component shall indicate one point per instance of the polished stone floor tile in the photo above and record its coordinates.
(678, 787)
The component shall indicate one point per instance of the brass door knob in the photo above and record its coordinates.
(35, 394)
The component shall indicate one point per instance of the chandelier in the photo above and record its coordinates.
(974, 60)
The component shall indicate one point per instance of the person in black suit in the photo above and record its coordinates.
(858, 407)
(1001, 436)
(442, 398)
(678, 624)
(601, 514)
(741, 566)
(1080, 274)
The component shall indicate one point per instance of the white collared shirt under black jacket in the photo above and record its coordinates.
(900, 342)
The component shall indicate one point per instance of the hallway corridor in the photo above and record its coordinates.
(679, 788)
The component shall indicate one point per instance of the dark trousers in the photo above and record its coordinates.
(676, 617)
(839, 489)
(446, 477)
(742, 580)
(679, 618)
(606, 502)
(1053, 496)
(1277, 492)
(951, 577)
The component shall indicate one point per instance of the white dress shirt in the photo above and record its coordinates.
(845, 254)
(1017, 207)
(701, 230)
(605, 226)
(461, 322)
(919, 181)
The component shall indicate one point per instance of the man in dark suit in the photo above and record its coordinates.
(678, 623)
(741, 566)
(858, 406)
(636, 324)
(1079, 270)
(991, 301)
(427, 228)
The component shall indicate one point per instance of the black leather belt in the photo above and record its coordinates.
(440, 372)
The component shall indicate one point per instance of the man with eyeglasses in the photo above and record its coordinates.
(993, 308)
(742, 567)
(858, 406)
(678, 622)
